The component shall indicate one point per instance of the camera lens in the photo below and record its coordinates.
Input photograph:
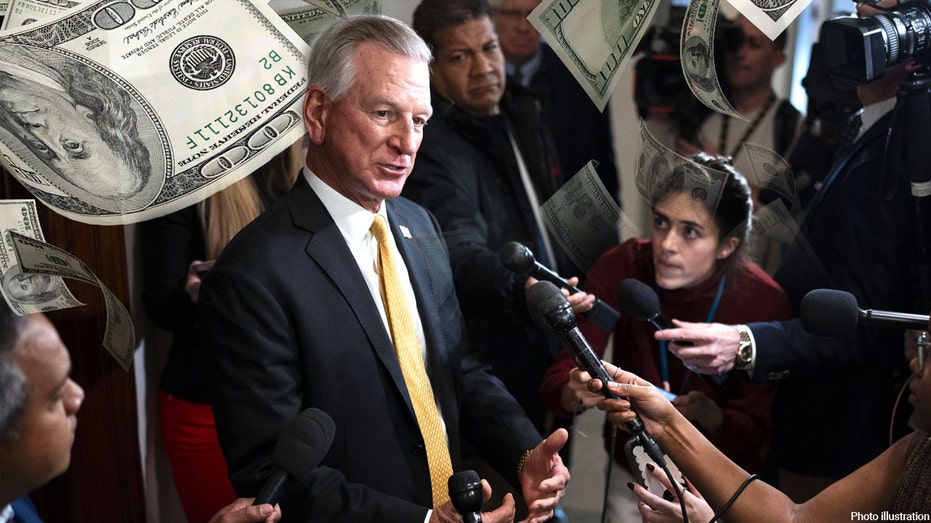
(860, 49)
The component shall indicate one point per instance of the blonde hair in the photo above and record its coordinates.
(225, 213)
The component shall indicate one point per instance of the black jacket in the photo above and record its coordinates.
(467, 175)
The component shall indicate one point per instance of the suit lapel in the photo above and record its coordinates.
(327, 248)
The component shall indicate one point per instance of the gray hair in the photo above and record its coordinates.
(331, 64)
(14, 391)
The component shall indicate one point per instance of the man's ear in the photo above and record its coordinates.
(316, 109)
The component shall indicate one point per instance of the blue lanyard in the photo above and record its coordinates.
(663, 355)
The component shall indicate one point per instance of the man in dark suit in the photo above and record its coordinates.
(581, 132)
(296, 319)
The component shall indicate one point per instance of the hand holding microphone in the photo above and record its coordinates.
(465, 492)
(550, 309)
(519, 259)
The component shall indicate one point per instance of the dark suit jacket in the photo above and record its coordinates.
(858, 236)
(293, 325)
(467, 176)
(581, 132)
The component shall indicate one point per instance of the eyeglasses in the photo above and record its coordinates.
(924, 341)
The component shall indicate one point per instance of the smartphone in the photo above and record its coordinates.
(666, 394)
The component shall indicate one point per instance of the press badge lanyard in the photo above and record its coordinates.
(663, 353)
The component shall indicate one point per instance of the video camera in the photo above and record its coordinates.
(860, 49)
(658, 82)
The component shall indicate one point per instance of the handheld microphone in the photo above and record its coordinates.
(551, 310)
(519, 259)
(641, 302)
(465, 491)
(829, 312)
(303, 443)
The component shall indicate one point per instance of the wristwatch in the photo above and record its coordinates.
(745, 350)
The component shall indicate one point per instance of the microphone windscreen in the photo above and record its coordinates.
(517, 257)
(549, 308)
(829, 312)
(304, 442)
(638, 299)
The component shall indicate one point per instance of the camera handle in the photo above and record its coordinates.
(915, 99)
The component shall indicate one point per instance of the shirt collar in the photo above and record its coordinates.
(6, 515)
(352, 219)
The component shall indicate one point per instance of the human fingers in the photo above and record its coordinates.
(503, 514)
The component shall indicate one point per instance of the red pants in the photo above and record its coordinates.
(197, 464)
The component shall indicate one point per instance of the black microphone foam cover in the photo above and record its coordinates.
(304, 442)
(829, 312)
(638, 299)
(465, 491)
(549, 308)
(517, 257)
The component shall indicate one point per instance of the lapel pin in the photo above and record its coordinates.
(405, 232)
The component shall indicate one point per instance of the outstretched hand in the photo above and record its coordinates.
(714, 348)
(544, 477)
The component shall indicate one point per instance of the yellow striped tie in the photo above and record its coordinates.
(407, 347)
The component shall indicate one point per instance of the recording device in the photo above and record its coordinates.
(860, 49)
(659, 85)
(519, 259)
(551, 310)
(465, 491)
(303, 443)
(829, 312)
(641, 302)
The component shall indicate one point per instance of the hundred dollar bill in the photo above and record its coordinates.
(583, 217)
(26, 292)
(38, 257)
(120, 111)
(771, 172)
(25, 12)
(774, 231)
(696, 51)
(309, 17)
(661, 171)
(595, 39)
(771, 16)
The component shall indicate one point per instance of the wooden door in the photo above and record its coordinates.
(104, 482)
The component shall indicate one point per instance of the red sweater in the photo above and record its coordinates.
(744, 434)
